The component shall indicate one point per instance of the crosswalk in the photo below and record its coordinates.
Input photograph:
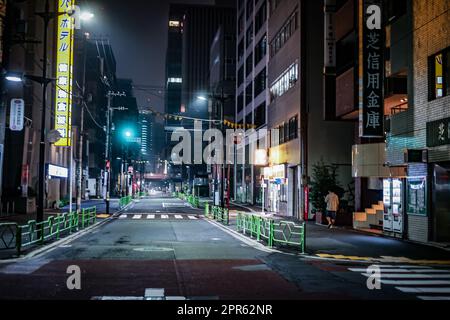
(426, 283)
(161, 216)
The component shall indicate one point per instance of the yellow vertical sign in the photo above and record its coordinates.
(64, 73)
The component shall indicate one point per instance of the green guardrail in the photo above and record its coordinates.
(216, 213)
(193, 201)
(19, 237)
(273, 232)
(124, 201)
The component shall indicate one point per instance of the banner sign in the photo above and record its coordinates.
(371, 69)
(330, 36)
(17, 115)
(438, 133)
(64, 73)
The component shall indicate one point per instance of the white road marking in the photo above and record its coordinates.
(150, 216)
(192, 218)
(137, 216)
(433, 298)
(412, 276)
(123, 216)
(164, 216)
(178, 217)
(403, 270)
(423, 290)
(416, 282)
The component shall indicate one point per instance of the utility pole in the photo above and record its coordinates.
(81, 142)
(107, 180)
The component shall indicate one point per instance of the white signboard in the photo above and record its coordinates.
(57, 172)
(17, 114)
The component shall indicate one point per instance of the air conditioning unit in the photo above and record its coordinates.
(416, 156)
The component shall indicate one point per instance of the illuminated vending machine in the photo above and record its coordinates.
(393, 205)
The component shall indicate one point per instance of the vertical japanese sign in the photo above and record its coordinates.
(371, 69)
(17, 115)
(64, 73)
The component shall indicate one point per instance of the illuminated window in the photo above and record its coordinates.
(174, 24)
(285, 82)
(175, 80)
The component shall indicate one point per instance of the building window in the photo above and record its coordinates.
(249, 37)
(260, 115)
(285, 82)
(288, 131)
(284, 34)
(260, 50)
(439, 71)
(249, 8)
(240, 76)
(249, 65)
(260, 82)
(249, 94)
(249, 119)
(241, 50)
(241, 23)
(240, 103)
(260, 18)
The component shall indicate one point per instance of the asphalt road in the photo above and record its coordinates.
(163, 243)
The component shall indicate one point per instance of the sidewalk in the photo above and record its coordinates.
(24, 218)
(348, 244)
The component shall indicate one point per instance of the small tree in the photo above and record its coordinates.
(324, 179)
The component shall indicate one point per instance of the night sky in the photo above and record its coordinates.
(137, 30)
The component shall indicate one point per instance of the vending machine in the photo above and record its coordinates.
(393, 196)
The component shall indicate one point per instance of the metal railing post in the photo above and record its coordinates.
(18, 240)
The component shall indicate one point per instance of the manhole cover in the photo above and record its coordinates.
(153, 249)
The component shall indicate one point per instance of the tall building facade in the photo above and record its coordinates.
(252, 93)
(419, 136)
(191, 32)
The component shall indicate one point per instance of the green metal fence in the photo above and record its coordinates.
(272, 231)
(124, 201)
(217, 213)
(19, 237)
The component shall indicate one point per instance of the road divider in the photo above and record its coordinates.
(217, 213)
(124, 201)
(272, 231)
(19, 237)
(192, 200)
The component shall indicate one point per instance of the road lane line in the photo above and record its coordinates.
(164, 216)
(178, 217)
(192, 218)
(123, 216)
(423, 290)
(416, 282)
(411, 276)
(151, 216)
(433, 298)
(402, 270)
(137, 216)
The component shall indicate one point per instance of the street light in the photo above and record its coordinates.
(86, 16)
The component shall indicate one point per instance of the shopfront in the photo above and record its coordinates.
(277, 189)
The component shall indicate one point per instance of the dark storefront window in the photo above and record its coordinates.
(345, 52)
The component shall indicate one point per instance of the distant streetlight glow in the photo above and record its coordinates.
(13, 78)
(86, 16)
(202, 98)
(128, 134)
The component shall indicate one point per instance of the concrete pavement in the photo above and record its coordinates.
(192, 258)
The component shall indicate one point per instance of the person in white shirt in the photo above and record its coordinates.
(332, 201)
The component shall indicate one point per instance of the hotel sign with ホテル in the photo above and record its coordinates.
(64, 72)
(371, 69)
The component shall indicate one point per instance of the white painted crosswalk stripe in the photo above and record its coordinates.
(178, 217)
(167, 217)
(427, 283)
(192, 218)
(164, 216)
(123, 216)
(150, 216)
(137, 216)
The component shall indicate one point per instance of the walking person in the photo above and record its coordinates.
(332, 201)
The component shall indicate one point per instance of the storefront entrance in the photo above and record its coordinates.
(441, 202)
